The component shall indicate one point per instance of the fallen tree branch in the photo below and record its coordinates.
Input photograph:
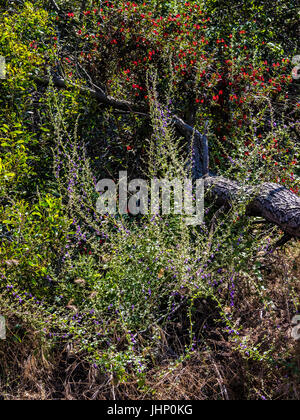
(273, 202)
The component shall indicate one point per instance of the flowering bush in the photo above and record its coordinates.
(137, 299)
(240, 89)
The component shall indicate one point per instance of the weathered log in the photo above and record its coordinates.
(273, 202)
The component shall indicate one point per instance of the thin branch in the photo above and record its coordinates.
(57, 9)
(282, 241)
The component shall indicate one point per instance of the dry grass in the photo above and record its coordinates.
(216, 370)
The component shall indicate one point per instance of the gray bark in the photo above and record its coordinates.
(273, 202)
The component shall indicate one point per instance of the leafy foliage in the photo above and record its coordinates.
(140, 297)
